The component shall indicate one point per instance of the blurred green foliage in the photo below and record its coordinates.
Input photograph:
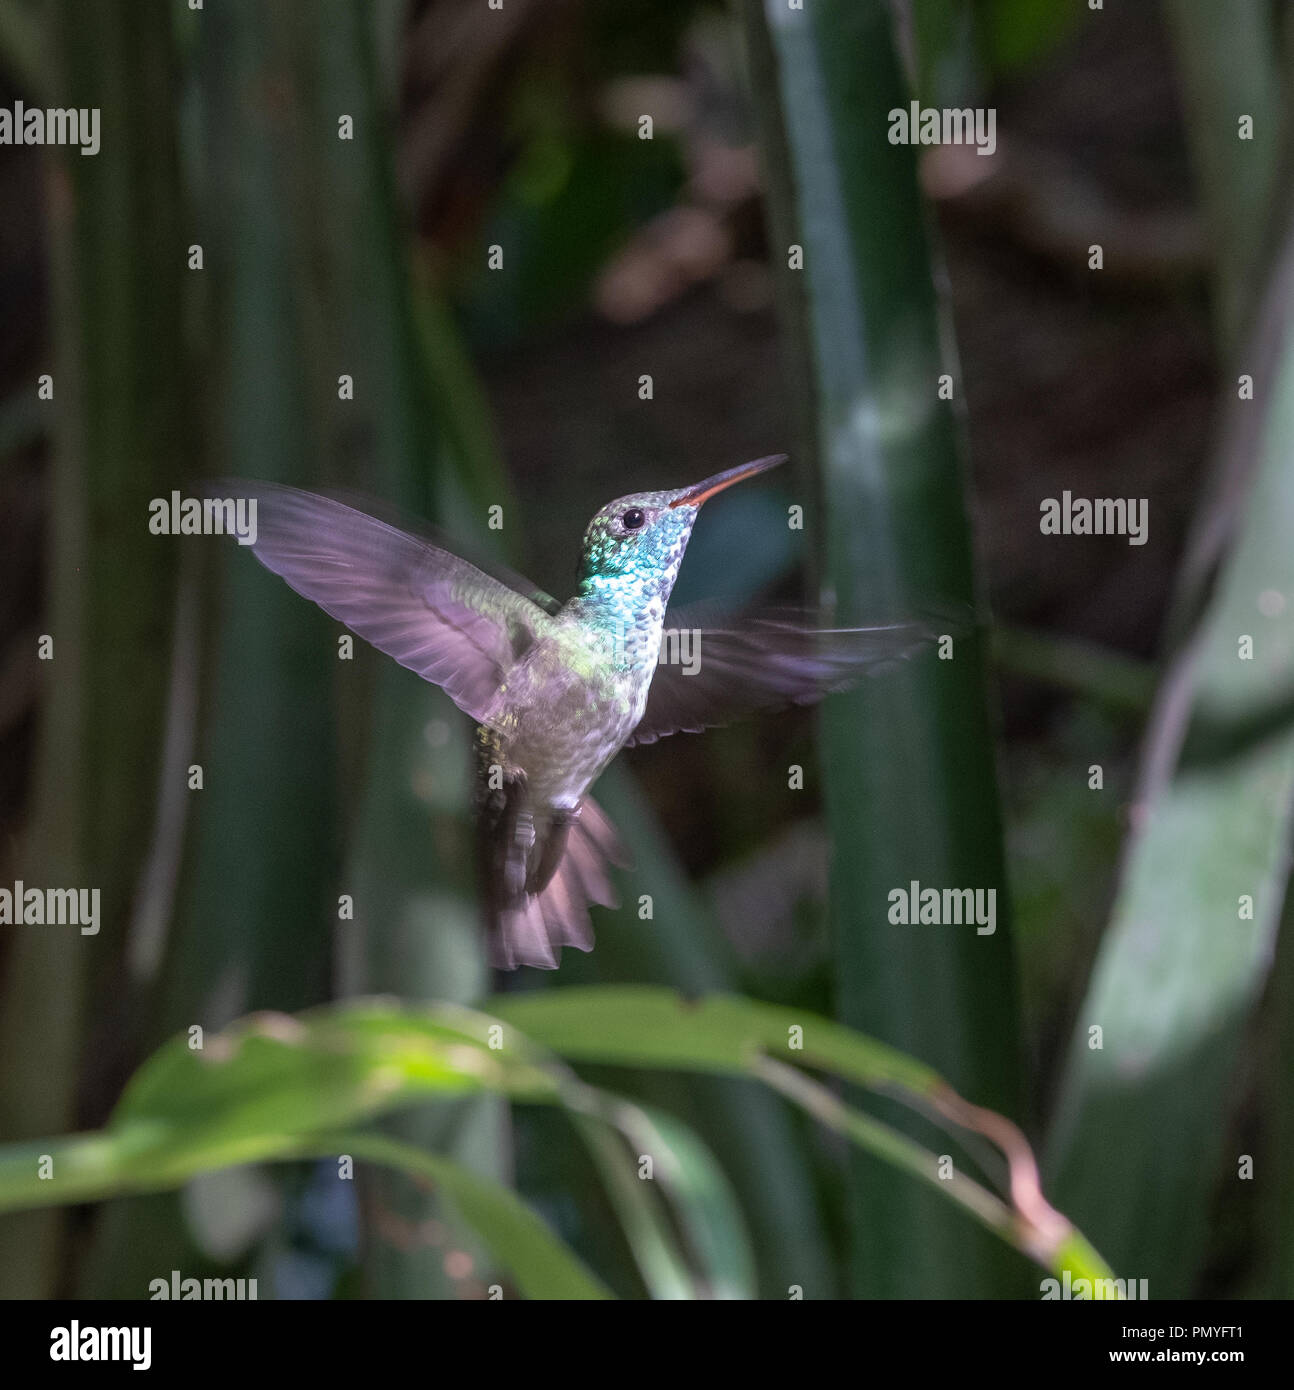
(524, 1163)
(277, 1086)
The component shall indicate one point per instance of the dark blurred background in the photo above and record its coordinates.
(623, 257)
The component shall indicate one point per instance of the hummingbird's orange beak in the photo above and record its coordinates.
(694, 496)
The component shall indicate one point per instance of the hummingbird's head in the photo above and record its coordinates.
(633, 547)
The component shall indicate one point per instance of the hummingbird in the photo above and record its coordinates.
(558, 689)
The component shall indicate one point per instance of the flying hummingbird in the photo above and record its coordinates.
(557, 689)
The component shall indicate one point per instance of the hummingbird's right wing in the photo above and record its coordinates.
(431, 610)
(723, 666)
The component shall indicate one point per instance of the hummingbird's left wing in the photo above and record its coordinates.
(721, 667)
(431, 610)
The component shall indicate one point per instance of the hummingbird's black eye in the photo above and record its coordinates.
(632, 519)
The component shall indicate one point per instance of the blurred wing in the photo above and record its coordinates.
(435, 613)
(762, 661)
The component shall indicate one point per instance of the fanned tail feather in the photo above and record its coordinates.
(526, 927)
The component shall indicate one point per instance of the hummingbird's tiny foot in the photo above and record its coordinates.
(554, 848)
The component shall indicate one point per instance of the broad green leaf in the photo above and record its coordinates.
(643, 1219)
(1229, 66)
(642, 1025)
(1149, 1083)
(276, 1087)
(274, 1077)
(908, 758)
(120, 429)
(710, 1257)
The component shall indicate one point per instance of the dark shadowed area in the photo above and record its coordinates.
(492, 268)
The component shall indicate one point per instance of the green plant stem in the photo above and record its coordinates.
(1060, 1249)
